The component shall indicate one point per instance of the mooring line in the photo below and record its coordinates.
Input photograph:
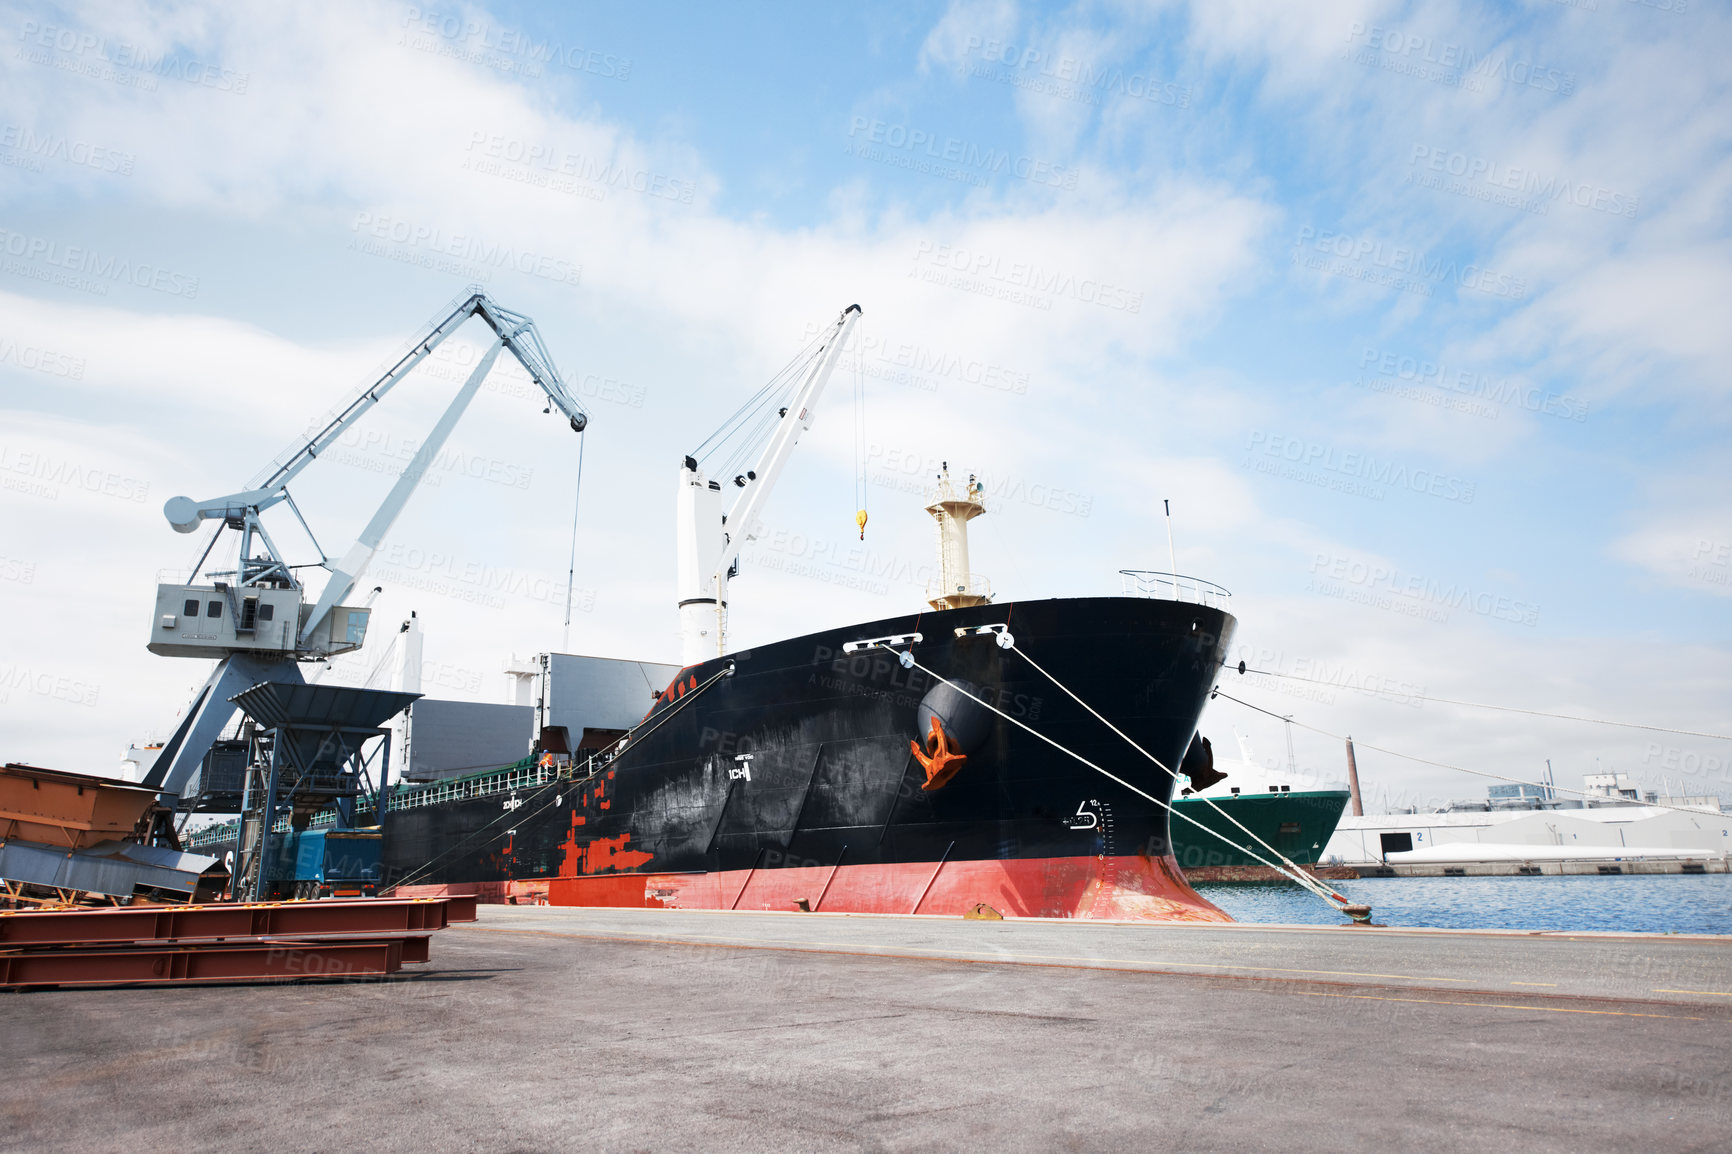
(1439, 764)
(1318, 889)
(909, 658)
(573, 783)
(1488, 705)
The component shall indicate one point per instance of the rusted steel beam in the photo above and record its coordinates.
(219, 921)
(279, 961)
(460, 909)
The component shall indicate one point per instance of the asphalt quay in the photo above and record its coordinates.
(540, 1028)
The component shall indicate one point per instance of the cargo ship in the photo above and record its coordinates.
(822, 773)
(918, 764)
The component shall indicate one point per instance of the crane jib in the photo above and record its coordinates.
(257, 616)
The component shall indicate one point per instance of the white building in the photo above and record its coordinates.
(1677, 835)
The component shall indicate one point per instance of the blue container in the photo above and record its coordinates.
(315, 863)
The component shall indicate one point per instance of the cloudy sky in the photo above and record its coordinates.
(1415, 313)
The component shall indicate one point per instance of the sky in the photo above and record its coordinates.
(1415, 315)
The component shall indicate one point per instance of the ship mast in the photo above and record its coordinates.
(955, 587)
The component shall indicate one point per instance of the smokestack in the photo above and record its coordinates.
(1353, 780)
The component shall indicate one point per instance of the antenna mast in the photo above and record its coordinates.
(1172, 553)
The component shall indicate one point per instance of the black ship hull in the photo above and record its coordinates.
(845, 781)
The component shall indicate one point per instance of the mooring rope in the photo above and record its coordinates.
(1318, 888)
(1361, 744)
(1487, 705)
(1336, 901)
(570, 782)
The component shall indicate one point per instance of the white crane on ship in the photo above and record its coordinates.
(709, 541)
(257, 619)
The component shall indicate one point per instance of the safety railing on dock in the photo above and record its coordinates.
(1173, 587)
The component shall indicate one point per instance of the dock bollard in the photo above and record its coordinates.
(1361, 915)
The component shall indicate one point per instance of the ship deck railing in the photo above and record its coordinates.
(975, 586)
(525, 774)
(1173, 587)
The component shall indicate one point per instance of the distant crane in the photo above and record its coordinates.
(257, 619)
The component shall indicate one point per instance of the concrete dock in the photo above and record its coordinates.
(627, 1030)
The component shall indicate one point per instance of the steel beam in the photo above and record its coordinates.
(170, 924)
(252, 962)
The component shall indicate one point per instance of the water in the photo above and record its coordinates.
(1649, 903)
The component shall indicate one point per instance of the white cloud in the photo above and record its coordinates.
(965, 28)
(384, 147)
(1684, 538)
(344, 126)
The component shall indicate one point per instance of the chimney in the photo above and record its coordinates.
(1353, 780)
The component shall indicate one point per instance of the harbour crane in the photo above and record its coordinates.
(259, 620)
(709, 541)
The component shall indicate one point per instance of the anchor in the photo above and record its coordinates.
(939, 758)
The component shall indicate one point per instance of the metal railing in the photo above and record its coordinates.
(978, 586)
(519, 776)
(405, 795)
(1173, 587)
(206, 837)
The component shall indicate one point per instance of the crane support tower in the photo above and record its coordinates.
(258, 619)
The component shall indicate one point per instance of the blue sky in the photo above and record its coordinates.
(1416, 313)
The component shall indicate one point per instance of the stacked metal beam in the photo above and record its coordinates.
(66, 837)
(262, 942)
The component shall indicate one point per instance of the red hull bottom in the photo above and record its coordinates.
(1105, 888)
(532, 892)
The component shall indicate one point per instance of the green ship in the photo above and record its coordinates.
(1298, 823)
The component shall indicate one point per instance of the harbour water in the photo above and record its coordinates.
(1648, 903)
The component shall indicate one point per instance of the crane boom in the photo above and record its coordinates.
(345, 572)
(710, 542)
(514, 330)
(744, 514)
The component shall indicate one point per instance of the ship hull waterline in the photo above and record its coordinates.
(816, 778)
